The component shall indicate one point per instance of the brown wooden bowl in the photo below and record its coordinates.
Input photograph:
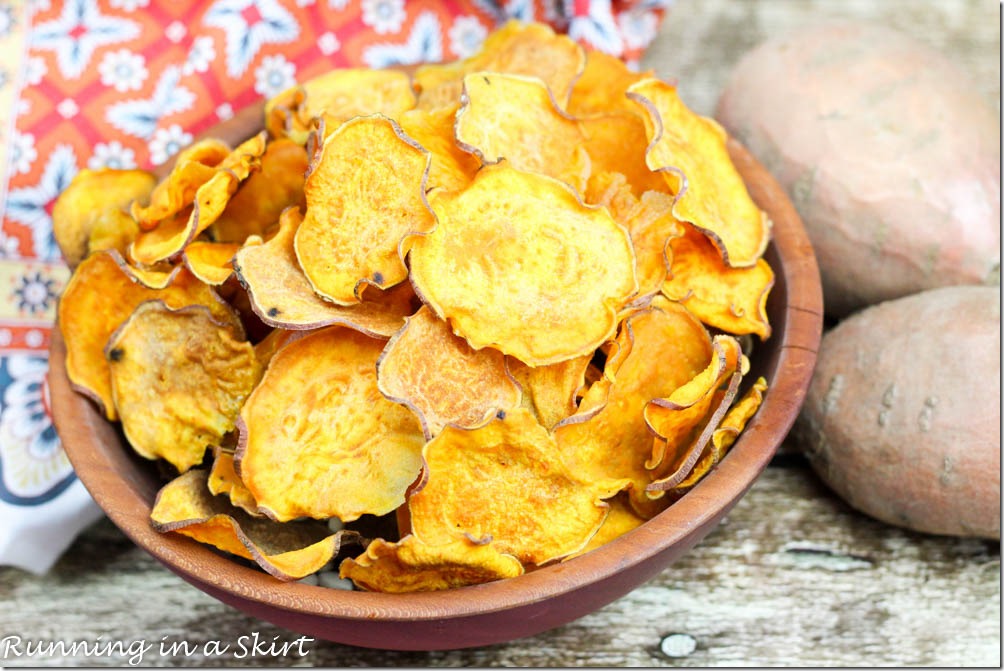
(124, 486)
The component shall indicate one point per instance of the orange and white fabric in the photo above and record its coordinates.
(127, 83)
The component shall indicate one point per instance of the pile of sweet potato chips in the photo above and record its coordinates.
(500, 301)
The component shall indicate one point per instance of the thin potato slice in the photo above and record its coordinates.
(437, 374)
(318, 439)
(451, 167)
(102, 292)
(690, 151)
(731, 299)
(113, 228)
(211, 262)
(287, 551)
(264, 195)
(515, 118)
(179, 379)
(668, 348)
(552, 391)
(92, 193)
(517, 262)
(529, 49)
(194, 166)
(674, 419)
(338, 96)
(223, 480)
(365, 191)
(621, 519)
(603, 86)
(412, 566)
(506, 482)
(617, 142)
(281, 295)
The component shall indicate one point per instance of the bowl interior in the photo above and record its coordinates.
(125, 486)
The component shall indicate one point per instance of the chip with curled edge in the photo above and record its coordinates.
(691, 152)
(318, 439)
(365, 192)
(287, 551)
(437, 374)
(179, 378)
(410, 565)
(519, 263)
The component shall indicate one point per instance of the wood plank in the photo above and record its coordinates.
(793, 577)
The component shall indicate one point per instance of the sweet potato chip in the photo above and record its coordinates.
(263, 196)
(616, 142)
(675, 419)
(668, 348)
(211, 262)
(287, 551)
(518, 48)
(223, 480)
(451, 167)
(551, 392)
(318, 439)
(171, 235)
(102, 292)
(437, 374)
(621, 519)
(338, 96)
(179, 379)
(365, 191)
(731, 299)
(113, 228)
(506, 482)
(690, 152)
(194, 166)
(412, 566)
(517, 262)
(515, 118)
(603, 86)
(281, 296)
(84, 201)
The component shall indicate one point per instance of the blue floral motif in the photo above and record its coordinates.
(424, 44)
(33, 467)
(30, 205)
(78, 32)
(140, 117)
(249, 24)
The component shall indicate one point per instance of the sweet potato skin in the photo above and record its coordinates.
(902, 418)
(888, 151)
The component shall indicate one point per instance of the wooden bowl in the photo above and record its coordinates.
(124, 486)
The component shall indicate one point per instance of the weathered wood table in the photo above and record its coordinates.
(793, 576)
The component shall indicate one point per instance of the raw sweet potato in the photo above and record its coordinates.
(888, 151)
(903, 415)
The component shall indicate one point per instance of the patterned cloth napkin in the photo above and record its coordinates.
(127, 83)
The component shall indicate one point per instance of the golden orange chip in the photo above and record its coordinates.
(603, 85)
(338, 96)
(724, 436)
(621, 519)
(287, 551)
(87, 198)
(690, 152)
(451, 167)
(179, 379)
(263, 196)
(530, 49)
(668, 347)
(318, 439)
(194, 166)
(674, 419)
(552, 392)
(412, 566)
(617, 142)
(517, 262)
(211, 262)
(171, 235)
(223, 480)
(102, 292)
(437, 374)
(506, 482)
(113, 228)
(281, 295)
(730, 299)
(365, 191)
(515, 118)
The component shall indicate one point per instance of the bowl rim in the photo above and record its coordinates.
(798, 332)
